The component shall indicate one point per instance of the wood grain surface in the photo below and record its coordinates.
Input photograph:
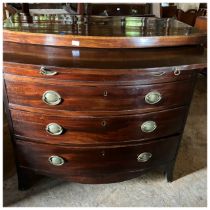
(95, 32)
(97, 130)
(28, 91)
(187, 57)
(109, 76)
(95, 165)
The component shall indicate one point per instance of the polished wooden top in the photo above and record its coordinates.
(100, 31)
(99, 26)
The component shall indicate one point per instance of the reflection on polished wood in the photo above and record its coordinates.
(96, 31)
(91, 58)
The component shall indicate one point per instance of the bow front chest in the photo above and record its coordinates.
(98, 99)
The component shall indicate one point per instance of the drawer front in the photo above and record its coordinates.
(29, 92)
(95, 164)
(97, 130)
(140, 76)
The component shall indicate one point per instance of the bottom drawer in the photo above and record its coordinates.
(95, 165)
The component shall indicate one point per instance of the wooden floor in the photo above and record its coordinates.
(151, 189)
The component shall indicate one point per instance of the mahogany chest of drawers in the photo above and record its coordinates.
(98, 100)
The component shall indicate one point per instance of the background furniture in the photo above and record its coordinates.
(8, 10)
(188, 17)
(94, 9)
(201, 23)
(168, 12)
(120, 9)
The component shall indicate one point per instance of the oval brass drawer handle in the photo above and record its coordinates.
(56, 160)
(148, 126)
(51, 97)
(144, 157)
(54, 129)
(47, 72)
(153, 97)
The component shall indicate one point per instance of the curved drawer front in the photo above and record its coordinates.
(27, 92)
(97, 130)
(189, 56)
(95, 165)
(140, 76)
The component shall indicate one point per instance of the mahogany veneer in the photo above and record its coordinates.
(91, 130)
(96, 99)
(93, 164)
(76, 97)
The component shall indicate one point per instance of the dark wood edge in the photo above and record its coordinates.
(67, 83)
(11, 129)
(6, 109)
(102, 146)
(112, 114)
(102, 41)
(195, 66)
(24, 180)
(173, 162)
(89, 113)
(116, 177)
(99, 145)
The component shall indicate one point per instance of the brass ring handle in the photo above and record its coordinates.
(148, 126)
(47, 72)
(56, 160)
(51, 97)
(144, 157)
(54, 129)
(177, 72)
(153, 97)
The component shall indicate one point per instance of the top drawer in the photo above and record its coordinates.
(121, 76)
(60, 95)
